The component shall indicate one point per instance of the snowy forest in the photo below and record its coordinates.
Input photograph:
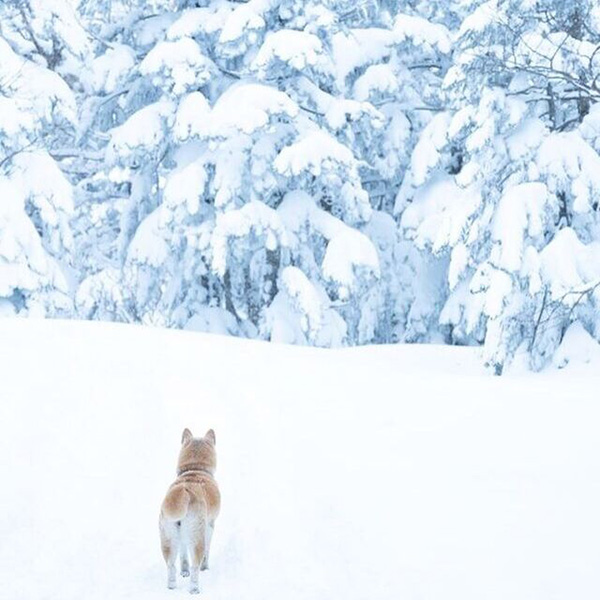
(317, 172)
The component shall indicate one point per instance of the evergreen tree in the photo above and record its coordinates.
(252, 138)
(39, 42)
(503, 184)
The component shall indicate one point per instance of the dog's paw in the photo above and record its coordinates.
(204, 567)
(185, 572)
(194, 589)
(171, 584)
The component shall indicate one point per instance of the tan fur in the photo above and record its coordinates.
(190, 508)
(176, 503)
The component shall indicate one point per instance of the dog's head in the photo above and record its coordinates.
(197, 453)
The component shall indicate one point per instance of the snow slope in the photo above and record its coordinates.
(380, 473)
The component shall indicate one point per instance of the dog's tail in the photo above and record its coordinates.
(176, 503)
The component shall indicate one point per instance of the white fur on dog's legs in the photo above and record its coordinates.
(197, 556)
(171, 577)
(194, 585)
(169, 550)
(209, 531)
(185, 564)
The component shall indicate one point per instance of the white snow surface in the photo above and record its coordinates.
(109, 70)
(248, 107)
(379, 472)
(299, 49)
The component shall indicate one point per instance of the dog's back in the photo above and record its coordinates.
(190, 508)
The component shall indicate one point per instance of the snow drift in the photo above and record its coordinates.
(383, 472)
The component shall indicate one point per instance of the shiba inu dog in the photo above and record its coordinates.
(189, 510)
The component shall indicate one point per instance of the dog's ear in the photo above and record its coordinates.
(186, 436)
(210, 436)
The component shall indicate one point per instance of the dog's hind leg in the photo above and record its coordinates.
(209, 532)
(198, 550)
(185, 563)
(169, 550)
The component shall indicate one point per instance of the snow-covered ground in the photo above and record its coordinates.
(380, 473)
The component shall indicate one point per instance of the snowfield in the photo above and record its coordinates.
(382, 472)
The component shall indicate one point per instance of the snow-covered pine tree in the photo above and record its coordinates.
(503, 184)
(40, 40)
(253, 154)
